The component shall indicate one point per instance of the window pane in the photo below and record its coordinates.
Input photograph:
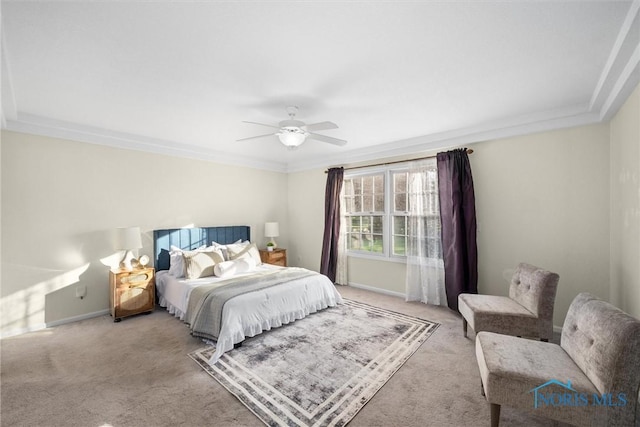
(357, 203)
(377, 225)
(378, 243)
(368, 203)
(348, 187)
(357, 186)
(356, 240)
(367, 185)
(400, 182)
(378, 184)
(399, 245)
(355, 224)
(400, 225)
(365, 242)
(400, 190)
(348, 203)
(379, 203)
(400, 202)
(350, 241)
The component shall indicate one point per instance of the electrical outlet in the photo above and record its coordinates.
(81, 291)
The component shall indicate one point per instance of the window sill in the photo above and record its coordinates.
(377, 257)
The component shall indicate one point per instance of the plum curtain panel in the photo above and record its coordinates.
(425, 267)
(331, 239)
(458, 215)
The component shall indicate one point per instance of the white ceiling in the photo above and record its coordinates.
(178, 77)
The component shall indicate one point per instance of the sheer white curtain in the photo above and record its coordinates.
(425, 267)
(341, 270)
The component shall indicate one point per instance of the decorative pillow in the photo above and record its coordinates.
(201, 263)
(244, 251)
(223, 248)
(231, 268)
(176, 260)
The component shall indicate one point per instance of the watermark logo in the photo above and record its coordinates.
(571, 397)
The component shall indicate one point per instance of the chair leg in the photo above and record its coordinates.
(482, 389)
(464, 326)
(495, 414)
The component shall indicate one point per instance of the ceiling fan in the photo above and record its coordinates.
(293, 132)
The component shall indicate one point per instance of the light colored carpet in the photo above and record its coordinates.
(137, 373)
(320, 371)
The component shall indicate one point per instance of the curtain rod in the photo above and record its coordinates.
(469, 151)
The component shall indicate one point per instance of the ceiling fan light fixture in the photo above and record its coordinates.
(292, 133)
(292, 137)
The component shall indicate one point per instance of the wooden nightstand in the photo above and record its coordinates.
(131, 292)
(277, 256)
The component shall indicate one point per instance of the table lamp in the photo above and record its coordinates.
(271, 230)
(126, 239)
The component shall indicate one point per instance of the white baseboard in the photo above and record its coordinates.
(21, 331)
(41, 326)
(377, 290)
(78, 318)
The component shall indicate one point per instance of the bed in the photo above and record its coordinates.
(236, 306)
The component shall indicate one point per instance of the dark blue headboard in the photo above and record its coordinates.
(192, 238)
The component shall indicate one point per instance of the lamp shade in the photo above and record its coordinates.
(292, 139)
(127, 238)
(271, 229)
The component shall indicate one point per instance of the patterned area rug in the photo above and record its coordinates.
(321, 370)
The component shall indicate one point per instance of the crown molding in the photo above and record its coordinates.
(522, 125)
(42, 126)
(8, 108)
(621, 73)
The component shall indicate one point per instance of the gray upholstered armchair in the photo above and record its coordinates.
(526, 312)
(591, 379)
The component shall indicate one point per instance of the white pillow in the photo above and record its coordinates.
(248, 251)
(176, 262)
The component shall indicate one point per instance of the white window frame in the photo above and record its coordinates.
(389, 213)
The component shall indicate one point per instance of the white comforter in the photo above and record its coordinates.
(249, 314)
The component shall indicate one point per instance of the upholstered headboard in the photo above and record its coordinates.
(192, 238)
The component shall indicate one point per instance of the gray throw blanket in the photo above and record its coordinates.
(204, 311)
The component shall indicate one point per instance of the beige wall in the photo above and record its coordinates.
(541, 198)
(61, 201)
(306, 217)
(544, 199)
(557, 199)
(625, 206)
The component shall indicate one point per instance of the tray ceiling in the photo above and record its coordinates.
(397, 77)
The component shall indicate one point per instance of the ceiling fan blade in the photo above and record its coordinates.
(261, 124)
(328, 139)
(321, 126)
(256, 137)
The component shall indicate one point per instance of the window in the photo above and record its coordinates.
(364, 198)
(378, 211)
